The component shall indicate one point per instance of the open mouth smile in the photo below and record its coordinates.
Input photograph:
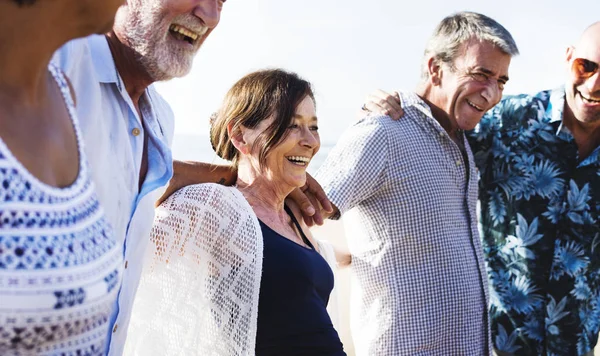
(299, 160)
(474, 106)
(183, 34)
(588, 100)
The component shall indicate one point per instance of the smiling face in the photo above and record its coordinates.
(167, 33)
(582, 89)
(473, 85)
(287, 161)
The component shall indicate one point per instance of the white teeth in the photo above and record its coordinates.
(589, 100)
(474, 106)
(188, 33)
(299, 159)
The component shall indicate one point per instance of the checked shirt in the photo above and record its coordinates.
(408, 196)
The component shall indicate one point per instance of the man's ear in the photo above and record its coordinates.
(237, 138)
(569, 55)
(434, 69)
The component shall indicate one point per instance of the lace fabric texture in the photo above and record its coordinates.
(199, 290)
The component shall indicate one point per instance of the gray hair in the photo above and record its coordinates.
(456, 29)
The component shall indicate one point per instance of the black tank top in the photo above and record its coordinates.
(294, 291)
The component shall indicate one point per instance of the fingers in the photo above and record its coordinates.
(311, 199)
(302, 200)
(317, 217)
(384, 103)
(316, 191)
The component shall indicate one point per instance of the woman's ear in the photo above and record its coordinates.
(237, 138)
(434, 70)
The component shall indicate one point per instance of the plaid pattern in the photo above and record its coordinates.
(409, 198)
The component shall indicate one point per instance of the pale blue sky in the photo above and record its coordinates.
(349, 48)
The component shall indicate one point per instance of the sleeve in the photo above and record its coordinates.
(198, 294)
(355, 169)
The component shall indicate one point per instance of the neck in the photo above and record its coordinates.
(24, 58)
(261, 195)
(426, 92)
(132, 72)
(261, 192)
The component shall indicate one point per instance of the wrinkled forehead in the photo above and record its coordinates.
(483, 54)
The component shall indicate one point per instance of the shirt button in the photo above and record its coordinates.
(441, 134)
(126, 263)
(115, 328)
(135, 132)
(458, 163)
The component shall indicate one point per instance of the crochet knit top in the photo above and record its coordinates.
(59, 260)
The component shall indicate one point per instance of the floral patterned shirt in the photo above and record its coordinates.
(540, 205)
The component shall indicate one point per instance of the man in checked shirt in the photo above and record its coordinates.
(539, 162)
(408, 190)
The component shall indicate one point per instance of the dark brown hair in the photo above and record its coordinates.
(254, 98)
(24, 2)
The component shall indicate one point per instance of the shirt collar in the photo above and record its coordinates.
(556, 105)
(102, 58)
(555, 111)
(411, 99)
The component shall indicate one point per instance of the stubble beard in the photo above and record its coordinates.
(146, 30)
(590, 117)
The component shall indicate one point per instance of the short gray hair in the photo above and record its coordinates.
(456, 29)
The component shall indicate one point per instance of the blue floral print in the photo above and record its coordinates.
(539, 221)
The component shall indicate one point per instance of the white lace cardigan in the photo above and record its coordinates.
(200, 287)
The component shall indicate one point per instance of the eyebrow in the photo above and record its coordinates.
(489, 72)
(314, 118)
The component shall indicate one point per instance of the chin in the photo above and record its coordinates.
(298, 182)
(470, 124)
(176, 68)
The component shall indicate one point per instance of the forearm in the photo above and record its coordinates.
(342, 257)
(189, 172)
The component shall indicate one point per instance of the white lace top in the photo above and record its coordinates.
(59, 261)
(200, 286)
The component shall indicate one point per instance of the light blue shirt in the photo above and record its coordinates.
(114, 141)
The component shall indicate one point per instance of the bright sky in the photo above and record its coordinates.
(350, 48)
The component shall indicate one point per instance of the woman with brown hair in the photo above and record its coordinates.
(235, 271)
(59, 260)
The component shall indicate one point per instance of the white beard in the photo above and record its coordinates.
(146, 28)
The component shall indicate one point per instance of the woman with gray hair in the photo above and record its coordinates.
(234, 270)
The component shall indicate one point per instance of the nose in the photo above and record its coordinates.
(310, 139)
(209, 11)
(592, 84)
(491, 92)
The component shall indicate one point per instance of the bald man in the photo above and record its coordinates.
(539, 189)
